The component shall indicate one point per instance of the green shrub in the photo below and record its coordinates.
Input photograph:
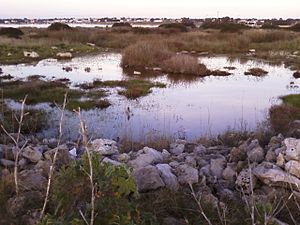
(115, 192)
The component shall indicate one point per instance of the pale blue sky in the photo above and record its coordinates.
(150, 8)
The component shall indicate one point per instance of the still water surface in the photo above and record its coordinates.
(187, 108)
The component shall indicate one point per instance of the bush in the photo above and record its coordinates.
(121, 25)
(269, 26)
(296, 27)
(11, 32)
(145, 54)
(281, 117)
(115, 189)
(174, 26)
(225, 26)
(184, 64)
(59, 26)
(260, 36)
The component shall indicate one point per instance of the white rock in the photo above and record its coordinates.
(73, 152)
(64, 55)
(91, 44)
(292, 149)
(105, 147)
(136, 73)
(168, 177)
(256, 154)
(31, 54)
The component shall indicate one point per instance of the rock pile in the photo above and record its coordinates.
(220, 171)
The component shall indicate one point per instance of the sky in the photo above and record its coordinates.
(150, 8)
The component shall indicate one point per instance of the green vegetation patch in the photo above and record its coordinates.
(133, 88)
(10, 53)
(292, 100)
(39, 91)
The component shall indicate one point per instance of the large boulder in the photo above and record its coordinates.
(32, 154)
(168, 177)
(187, 174)
(148, 178)
(292, 149)
(105, 147)
(272, 175)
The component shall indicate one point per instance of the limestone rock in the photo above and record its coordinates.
(217, 166)
(168, 177)
(293, 167)
(31, 154)
(63, 156)
(32, 180)
(146, 157)
(31, 54)
(104, 147)
(246, 181)
(292, 149)
(273, 176)
(237, 154)
(187, 174)
(147, 178)
(178, 147)
(256, 154)
(64, 55)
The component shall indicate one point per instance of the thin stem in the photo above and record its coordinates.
(51, 170)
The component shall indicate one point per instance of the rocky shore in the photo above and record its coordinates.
(219, 172)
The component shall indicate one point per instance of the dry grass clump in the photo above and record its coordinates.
(261, 36)
(256, 72)
(145, 54)
(184, 64)
(282, 116)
